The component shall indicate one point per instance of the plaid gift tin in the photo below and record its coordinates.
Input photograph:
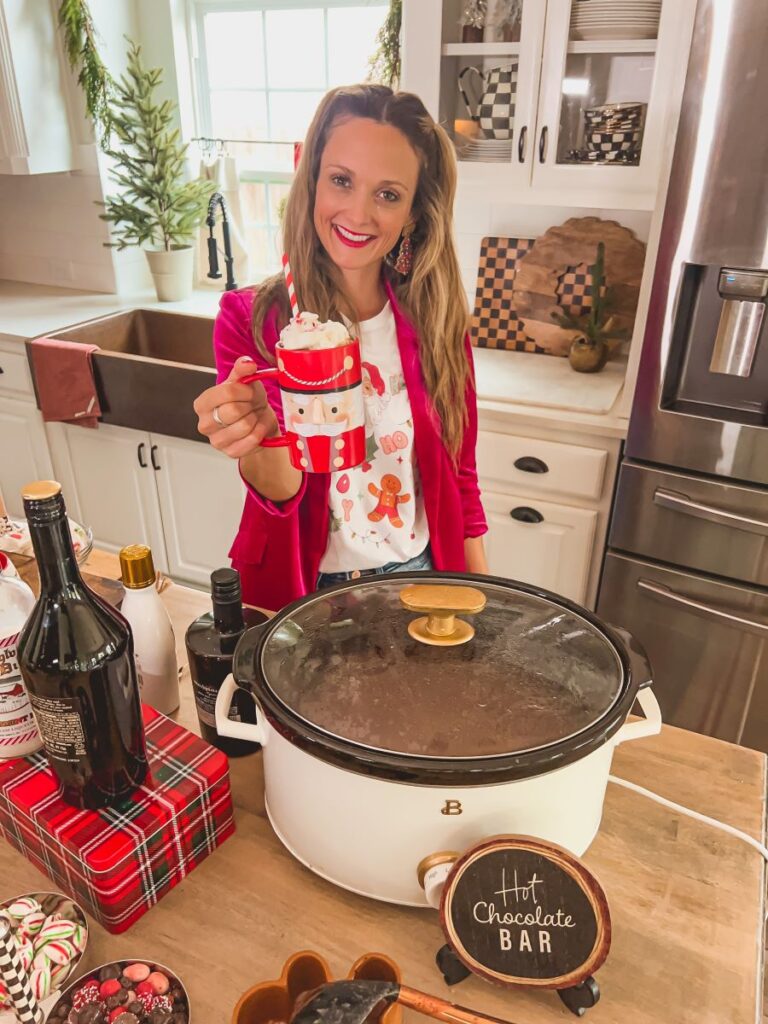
(118, 862)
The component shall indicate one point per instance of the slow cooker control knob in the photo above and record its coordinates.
(442, 603)
(432, 873)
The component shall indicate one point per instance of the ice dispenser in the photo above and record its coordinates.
(743, 293)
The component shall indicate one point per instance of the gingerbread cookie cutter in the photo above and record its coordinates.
(274, 1002)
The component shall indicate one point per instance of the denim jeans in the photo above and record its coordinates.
(420, 563)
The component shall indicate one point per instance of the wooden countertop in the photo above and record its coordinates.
(687, 901)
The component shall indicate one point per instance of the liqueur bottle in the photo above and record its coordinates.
(76, 659)
(153, 640)
(211, 642)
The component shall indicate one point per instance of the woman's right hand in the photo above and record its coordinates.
(245, 413)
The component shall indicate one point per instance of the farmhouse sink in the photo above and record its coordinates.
(150, 367)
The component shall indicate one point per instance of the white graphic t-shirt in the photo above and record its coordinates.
(377, 509)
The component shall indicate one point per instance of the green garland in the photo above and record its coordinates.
(92, 75)
(385, 63)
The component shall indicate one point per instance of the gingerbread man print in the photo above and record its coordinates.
(389, 497)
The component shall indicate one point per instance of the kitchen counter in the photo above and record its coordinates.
(532, 387)
(687, 901)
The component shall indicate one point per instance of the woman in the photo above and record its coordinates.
(368, 234)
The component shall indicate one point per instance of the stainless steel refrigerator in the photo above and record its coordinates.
(687, 567)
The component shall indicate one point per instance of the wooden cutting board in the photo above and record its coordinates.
(110, 590)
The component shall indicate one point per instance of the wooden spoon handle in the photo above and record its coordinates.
(433, 1006)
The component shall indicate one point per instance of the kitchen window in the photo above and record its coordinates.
(261, 69)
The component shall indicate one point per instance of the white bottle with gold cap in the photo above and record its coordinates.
(154, 643)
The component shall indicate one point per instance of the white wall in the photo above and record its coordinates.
(51, 232)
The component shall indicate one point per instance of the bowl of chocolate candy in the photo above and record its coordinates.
(124, 991)
(50, 933)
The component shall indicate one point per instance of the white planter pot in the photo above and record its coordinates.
(171, 272)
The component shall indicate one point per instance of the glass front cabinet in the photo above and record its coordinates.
(569, 102)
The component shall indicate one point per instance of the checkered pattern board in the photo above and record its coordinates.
(494, 321)
(574, 290)
(120, 861)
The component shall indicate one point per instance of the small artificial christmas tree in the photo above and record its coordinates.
(472, 20)
(156, 207)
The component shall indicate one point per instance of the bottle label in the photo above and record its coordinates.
(205, 699)
(59, 721)
(17, 723)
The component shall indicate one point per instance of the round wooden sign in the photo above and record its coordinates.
(521, 911)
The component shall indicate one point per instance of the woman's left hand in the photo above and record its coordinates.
(474, 555)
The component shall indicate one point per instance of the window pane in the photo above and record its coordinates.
(262, 252)
(254, 197)
(277, 192)
(234, 49)
(352, 42)
(239, 115)
(291, 112)
(295, 49)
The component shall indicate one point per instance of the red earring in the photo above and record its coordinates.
(404, 261)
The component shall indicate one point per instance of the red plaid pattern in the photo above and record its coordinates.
(120, 861)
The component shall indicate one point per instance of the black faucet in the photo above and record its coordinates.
(213, 256)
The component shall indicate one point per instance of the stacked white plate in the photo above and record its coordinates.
(497, 151)
(615, 19)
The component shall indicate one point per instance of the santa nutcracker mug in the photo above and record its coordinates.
(322, 395)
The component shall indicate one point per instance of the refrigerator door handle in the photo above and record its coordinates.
(699, 608)
(682, 503)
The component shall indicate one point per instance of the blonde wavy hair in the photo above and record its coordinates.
(432, 295)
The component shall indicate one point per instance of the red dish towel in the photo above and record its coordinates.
(66, 389)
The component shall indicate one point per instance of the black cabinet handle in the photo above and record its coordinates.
(521, 144)
(140, 455)
(523, 514)
(543, 144)
(530, 464)
(152, 455)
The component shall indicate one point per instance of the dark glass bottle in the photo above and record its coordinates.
(211, 642)
(76, 657)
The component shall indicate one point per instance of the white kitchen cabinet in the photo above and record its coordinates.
(181, 498)
(23, 449)
(109, 485)
(201, 502)
(557, 78)
(547, 545)
(35, 135)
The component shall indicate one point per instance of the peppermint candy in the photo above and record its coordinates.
(40, 982)
(60, 952)
(26, 952)
(32, 923)
(56, 928)
(21, 908)
(79, 938)
(58, 974)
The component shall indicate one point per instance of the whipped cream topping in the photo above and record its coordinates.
(307, 331)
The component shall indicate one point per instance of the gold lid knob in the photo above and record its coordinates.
(136, 567)
(38, 490)
(442, 602)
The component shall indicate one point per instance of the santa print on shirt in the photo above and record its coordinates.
(377, 514)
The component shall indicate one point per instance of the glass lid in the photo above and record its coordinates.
(440, 669)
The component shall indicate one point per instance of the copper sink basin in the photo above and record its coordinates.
(150, 367)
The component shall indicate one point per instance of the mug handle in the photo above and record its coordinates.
(272, 371)
(467, 104)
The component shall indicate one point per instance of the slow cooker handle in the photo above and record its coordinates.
(254, 733)
(648, 726)
(638, 659)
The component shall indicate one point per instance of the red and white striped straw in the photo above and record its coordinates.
(291, 290)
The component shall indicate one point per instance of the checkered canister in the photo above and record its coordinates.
(16, 981)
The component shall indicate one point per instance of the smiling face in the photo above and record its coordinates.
(328, 413)
(365, 190)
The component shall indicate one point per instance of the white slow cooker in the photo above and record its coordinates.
(392, 740)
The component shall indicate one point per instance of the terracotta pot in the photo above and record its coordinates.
(275, 1001)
